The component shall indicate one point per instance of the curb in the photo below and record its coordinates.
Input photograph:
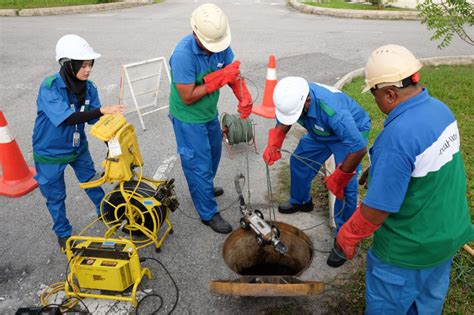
(72, 9)
(434, 61)
(356, 14)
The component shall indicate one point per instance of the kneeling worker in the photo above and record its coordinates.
(337, 125)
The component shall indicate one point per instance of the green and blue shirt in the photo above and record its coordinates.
(189, 64)
(52, 139)
(417, 174)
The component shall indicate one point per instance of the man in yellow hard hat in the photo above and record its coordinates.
(201, 64)
(416, 202)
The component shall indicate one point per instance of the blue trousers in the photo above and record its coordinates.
(315, 153)
(50, 179)
(200, 148)
(395, 290)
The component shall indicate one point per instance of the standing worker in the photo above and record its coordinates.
(337, 125)
(200, 65)
(67, 100)
(416, 200)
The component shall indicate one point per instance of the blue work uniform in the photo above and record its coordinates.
(337, 125)
(196, 126)
(417, 175)
(54, 147)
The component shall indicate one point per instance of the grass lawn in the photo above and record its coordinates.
(29, 4)
(341, 4)
(454, 85)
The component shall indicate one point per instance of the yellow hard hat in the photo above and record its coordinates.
(389, 65)
(211, 26)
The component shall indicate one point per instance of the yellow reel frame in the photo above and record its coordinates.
(136, 210)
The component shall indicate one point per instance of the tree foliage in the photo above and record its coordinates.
(447, 18)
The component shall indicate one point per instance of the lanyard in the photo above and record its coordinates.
(82, 108)
(76, 136)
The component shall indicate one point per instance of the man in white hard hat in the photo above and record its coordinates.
(200, 65)
(416, 202)
(337, 125)
(66, 101)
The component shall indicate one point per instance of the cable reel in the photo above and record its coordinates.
(236, 130)
(140, 209)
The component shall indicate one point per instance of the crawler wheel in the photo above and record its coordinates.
(259, 214)
(260, 241)
(244, 225)
(275, 231)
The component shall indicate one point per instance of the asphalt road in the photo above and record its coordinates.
(316, 47)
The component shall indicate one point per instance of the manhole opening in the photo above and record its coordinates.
(244, 256)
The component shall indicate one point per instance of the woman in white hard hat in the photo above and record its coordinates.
(67, 100)
(416, 203)
(200, 65)
(337, 125)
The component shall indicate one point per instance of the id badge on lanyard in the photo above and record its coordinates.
(76, 136)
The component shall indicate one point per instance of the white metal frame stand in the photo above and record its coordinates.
(125, 76)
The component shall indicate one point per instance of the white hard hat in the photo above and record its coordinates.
(389, 65)
(289, 97)
(74, 47)
(211, 26)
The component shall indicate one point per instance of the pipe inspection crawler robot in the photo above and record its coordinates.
(254, 220)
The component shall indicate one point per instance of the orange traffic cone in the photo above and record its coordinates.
(17, 179)
(267, 108)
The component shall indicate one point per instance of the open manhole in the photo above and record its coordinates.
(263, 271)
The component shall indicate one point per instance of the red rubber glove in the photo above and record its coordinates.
(217, 79)
(337, 181)
(243, 95)
(275, 141)
(353, 231)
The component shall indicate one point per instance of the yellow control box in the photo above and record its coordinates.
(103, 264)
(104, 274)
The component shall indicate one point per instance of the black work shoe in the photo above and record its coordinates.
(288, 208)
(218, 224)
(62, 242)
(336, 257)
(218, 191)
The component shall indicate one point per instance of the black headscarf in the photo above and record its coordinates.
(68, 72)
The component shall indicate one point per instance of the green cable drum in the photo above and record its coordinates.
(237, 130)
